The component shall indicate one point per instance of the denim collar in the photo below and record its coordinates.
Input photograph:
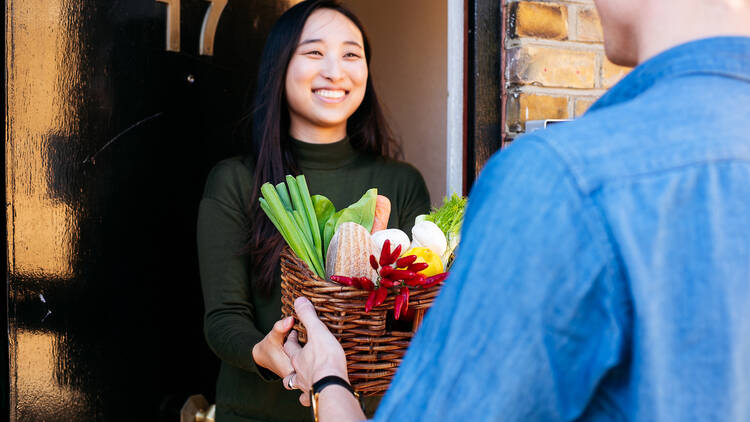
(722, 56)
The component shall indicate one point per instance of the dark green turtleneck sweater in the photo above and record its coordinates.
(237, 316)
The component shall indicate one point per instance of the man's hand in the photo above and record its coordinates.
(321, 356)
(269, 353)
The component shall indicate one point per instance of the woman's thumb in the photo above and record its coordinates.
(283, 326)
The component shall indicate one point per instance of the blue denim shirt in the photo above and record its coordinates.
(604, 273)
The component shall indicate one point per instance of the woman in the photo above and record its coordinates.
(315, 113)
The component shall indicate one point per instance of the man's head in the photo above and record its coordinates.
(635, 30)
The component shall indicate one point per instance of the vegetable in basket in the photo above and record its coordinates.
(291, 210)
(308, 224)
(361, 212)
(449, 218)
(395, 236)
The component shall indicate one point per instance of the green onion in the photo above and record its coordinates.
(290, 209)
(284, 195)
(311, 217)
(289, 229)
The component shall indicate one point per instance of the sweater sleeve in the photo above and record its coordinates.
(229, 319)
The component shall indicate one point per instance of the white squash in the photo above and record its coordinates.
(427, 234)
(396, 236)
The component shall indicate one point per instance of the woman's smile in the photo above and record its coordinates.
(330, 95)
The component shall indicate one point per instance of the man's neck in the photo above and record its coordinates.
(667, 24)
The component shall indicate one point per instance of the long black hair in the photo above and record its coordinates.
(270, 140)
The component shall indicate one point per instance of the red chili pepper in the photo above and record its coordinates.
(402, 274)
(398, 303)
(405, 261)
(346, 281)
(387, 282)
(366, 283)
(416, 281)
(435, 279)
(418, 266)
(371, 301)
(394, 256)
(385, 253)
(405, 294)
(386, 271)
(381, 294)
(373, 262)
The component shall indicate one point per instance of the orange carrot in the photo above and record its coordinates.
(382, 213)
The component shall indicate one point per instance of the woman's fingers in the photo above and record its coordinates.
(288, 381)
(280, 329)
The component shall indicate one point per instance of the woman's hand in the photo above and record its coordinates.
(321, 356)
(269, 353)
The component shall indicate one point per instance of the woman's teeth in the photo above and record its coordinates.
(334, 95)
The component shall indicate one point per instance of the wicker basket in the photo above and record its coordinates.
(373, 352)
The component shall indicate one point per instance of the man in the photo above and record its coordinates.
(604, 272)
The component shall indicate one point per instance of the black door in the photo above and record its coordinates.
(111, 128)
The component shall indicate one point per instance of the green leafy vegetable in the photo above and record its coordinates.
(324, 210)
(450, 216)
(361, 212)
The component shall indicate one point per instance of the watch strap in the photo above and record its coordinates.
(324, 382)
(332, 380)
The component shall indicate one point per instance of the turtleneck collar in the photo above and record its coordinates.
(324, 156)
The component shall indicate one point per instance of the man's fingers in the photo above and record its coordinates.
(284, 365)
(291, 347)
(304, 399)
(307, 316)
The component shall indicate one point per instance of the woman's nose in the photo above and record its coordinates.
(332, 69)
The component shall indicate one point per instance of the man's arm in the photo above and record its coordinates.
(322, 356)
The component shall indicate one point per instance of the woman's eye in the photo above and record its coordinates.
(352, 55)
(314, 53)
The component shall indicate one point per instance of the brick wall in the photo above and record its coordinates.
(555, 66)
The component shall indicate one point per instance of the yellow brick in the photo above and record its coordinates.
(525, 106)
(583, 104)
(551, 67)
(588, 26)
(538, 20)
(612, 73)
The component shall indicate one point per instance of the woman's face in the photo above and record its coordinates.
(327, 75)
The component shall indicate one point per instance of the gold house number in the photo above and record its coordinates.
(208, 29)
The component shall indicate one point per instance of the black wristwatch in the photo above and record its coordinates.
(324, 382)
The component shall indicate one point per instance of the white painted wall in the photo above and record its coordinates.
(409, 67)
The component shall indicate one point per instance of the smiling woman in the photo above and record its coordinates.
(315, 112)
(326, 78)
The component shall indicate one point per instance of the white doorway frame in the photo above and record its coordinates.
(454, 148)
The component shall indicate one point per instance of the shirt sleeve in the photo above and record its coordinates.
(229, 322)
(535, 311)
